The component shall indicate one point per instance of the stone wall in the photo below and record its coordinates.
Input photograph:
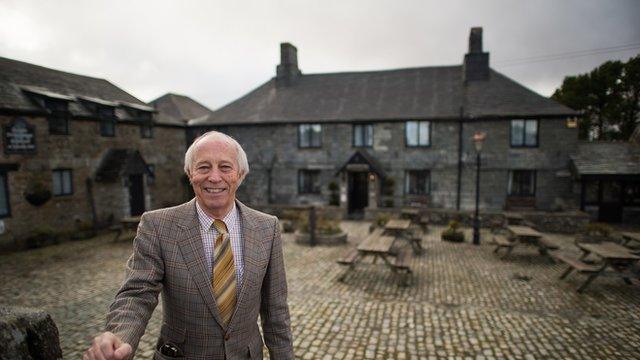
(82, 150)
(280, 153)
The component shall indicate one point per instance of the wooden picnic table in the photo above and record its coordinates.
(127, 223)
(379, 245)
(628, 237)
(513, 218)
(402, 228)
(526, 235)
(613, 256)
(411, 213)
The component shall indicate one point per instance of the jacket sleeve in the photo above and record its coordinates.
(138, 296)
(274, 311)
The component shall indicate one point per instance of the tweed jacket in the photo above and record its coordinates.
(168, 258)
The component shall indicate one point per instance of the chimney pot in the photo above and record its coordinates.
(287, 71)
(476, 62)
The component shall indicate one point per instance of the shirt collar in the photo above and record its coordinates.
(206, 220)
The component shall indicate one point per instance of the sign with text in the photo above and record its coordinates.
(19, 137)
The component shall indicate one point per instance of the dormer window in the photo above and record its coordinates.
(58, 117)
(107, 117)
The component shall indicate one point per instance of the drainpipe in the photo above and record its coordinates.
(460, 127)
(92, 203)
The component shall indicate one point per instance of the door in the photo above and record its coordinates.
(611, 204)
(358, 192)
(136, 194)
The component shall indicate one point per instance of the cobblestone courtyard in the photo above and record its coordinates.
(465, 302)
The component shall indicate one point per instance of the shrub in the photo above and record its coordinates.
(598, 229)
(452, 233)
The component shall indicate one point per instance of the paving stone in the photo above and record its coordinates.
(465, 302)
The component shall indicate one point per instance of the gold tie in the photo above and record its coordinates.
(224, 273)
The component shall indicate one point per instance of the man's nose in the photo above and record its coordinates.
(214, 176)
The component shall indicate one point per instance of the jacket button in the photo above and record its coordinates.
(226, 337)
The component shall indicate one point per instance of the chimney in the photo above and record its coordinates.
(476, 62)
(287, 71)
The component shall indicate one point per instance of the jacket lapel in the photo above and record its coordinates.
(252, 252)
(192, 249)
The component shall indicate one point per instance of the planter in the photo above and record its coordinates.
(452, 236)
(322, 239)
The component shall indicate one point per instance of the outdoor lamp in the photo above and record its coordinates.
(478, 139)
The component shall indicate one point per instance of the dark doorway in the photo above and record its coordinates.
(611, 204)
(136, 194)
(358, 193)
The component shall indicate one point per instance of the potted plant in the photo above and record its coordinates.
(452, 233)
(334, 197)
(37, 192)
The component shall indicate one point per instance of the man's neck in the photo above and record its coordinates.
(218, 215)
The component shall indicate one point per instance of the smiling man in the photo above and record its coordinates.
(217, 263)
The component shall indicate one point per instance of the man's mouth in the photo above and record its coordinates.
(214, 190)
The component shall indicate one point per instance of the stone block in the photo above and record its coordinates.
(28, 334)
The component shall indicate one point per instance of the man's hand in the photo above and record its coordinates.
(107, 346)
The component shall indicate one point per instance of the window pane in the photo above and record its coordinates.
(357, 135)
(517, 132)
(66, 182)
(304, 135)
(412, 133)
(417, 182)
(424, 133)
(522, 183)
(57, 183)
(369, 135)
(316, 133)
(531, 133)
(4, 202)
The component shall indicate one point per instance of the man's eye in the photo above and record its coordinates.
(202, 169)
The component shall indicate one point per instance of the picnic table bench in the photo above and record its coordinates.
(378, 245)
(126, 223)
(630, 237)
(612, 256)
(525, 235)
(403, 229)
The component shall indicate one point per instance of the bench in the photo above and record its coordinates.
(415, 236)
(579, 266)
(350, 260)
(401, 264)
(502, 242)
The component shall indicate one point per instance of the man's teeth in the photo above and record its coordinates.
(210, 190)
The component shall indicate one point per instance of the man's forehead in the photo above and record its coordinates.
(214, 147)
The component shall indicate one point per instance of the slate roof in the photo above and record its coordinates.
(19, 79)
(178, 108)
(119, 162)
(606, 158)
(414, 93)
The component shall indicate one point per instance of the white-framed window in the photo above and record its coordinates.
(309, 135)
(309, 181)
(363, 135)
(522, 183)
(418, 133)
(62, 182)
(417, 182)
(524, 133)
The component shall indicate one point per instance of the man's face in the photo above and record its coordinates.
(215, 176)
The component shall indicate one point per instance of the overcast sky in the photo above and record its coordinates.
(217, 51)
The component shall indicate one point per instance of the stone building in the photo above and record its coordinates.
(79, 152)
(404, 136)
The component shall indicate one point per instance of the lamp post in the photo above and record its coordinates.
(478, 139)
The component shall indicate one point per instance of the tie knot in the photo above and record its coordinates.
(220, 226)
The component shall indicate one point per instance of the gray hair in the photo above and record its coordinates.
(243, 163)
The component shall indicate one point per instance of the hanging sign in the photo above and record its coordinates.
(19, 137)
